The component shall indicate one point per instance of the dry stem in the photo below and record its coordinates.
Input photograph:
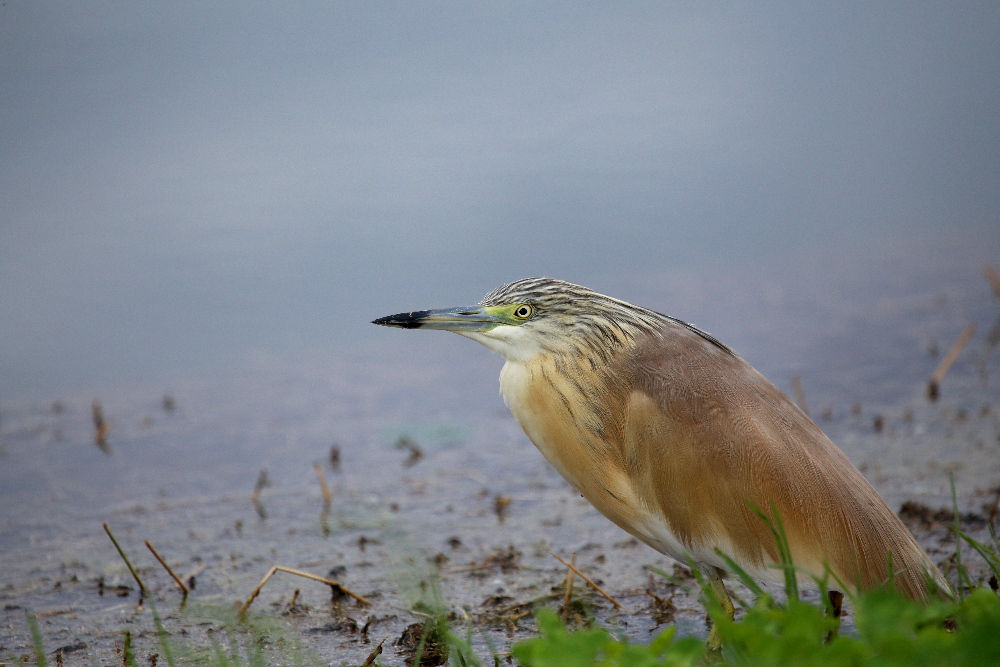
(938, 375)
(121, 552)
(569, 586)
(374, 654)
(177, 580)
(323, 487)
(587, 579)
(329, 582)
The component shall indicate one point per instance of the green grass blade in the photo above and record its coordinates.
(963, 580)
(784, 548)
(671, 578)
(37, 645)
(992, 558)
(128, 653)
(221, 659)
(745, 578)
(162, 634)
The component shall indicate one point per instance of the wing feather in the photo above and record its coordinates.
(705, 436)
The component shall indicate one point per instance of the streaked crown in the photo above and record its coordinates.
(566, 314)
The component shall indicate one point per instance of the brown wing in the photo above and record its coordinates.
(704, 433)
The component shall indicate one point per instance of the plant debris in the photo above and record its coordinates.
(423, 644)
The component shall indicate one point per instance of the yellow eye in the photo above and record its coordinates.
(523, 312)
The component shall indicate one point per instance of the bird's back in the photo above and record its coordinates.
(729, 438)
(676, 439)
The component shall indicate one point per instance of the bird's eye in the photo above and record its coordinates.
(523, 312)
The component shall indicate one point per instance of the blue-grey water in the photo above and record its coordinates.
(184, 187)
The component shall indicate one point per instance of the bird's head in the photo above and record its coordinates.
(534, 315)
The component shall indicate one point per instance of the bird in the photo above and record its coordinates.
(680, 442)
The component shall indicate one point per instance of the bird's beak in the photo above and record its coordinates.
(472, 318)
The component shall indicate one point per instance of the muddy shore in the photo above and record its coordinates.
(437, 496)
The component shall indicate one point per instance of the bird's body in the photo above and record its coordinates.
(678, 441)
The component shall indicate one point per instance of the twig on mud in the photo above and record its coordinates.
(506, 611)
(121, 552)
(588, 580)
(180, 583)
(482, 566)
(569, 586)
(505, 560)
(278, 568)
(374, 654)
(472, 568)
(938, 375)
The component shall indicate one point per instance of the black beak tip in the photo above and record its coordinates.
(401, 321)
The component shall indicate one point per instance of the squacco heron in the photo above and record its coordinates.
(677, 440)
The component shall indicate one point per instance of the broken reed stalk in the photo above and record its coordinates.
(374, 654)
(278, 568)
(569, 587)
(121, 552)
(323, 487)
(262, 482)
(938, 375)
(180, 583)
(101, 428)
(473, 568)
(589, 582)
(992, 277)
(800, 394)
(189, 577)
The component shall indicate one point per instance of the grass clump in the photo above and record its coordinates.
(892, 630)
(37, 645)
(557, 647)
(250, 640)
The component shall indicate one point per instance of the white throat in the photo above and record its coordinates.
(514, 343)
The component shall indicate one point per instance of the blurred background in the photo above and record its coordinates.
(185, 186)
